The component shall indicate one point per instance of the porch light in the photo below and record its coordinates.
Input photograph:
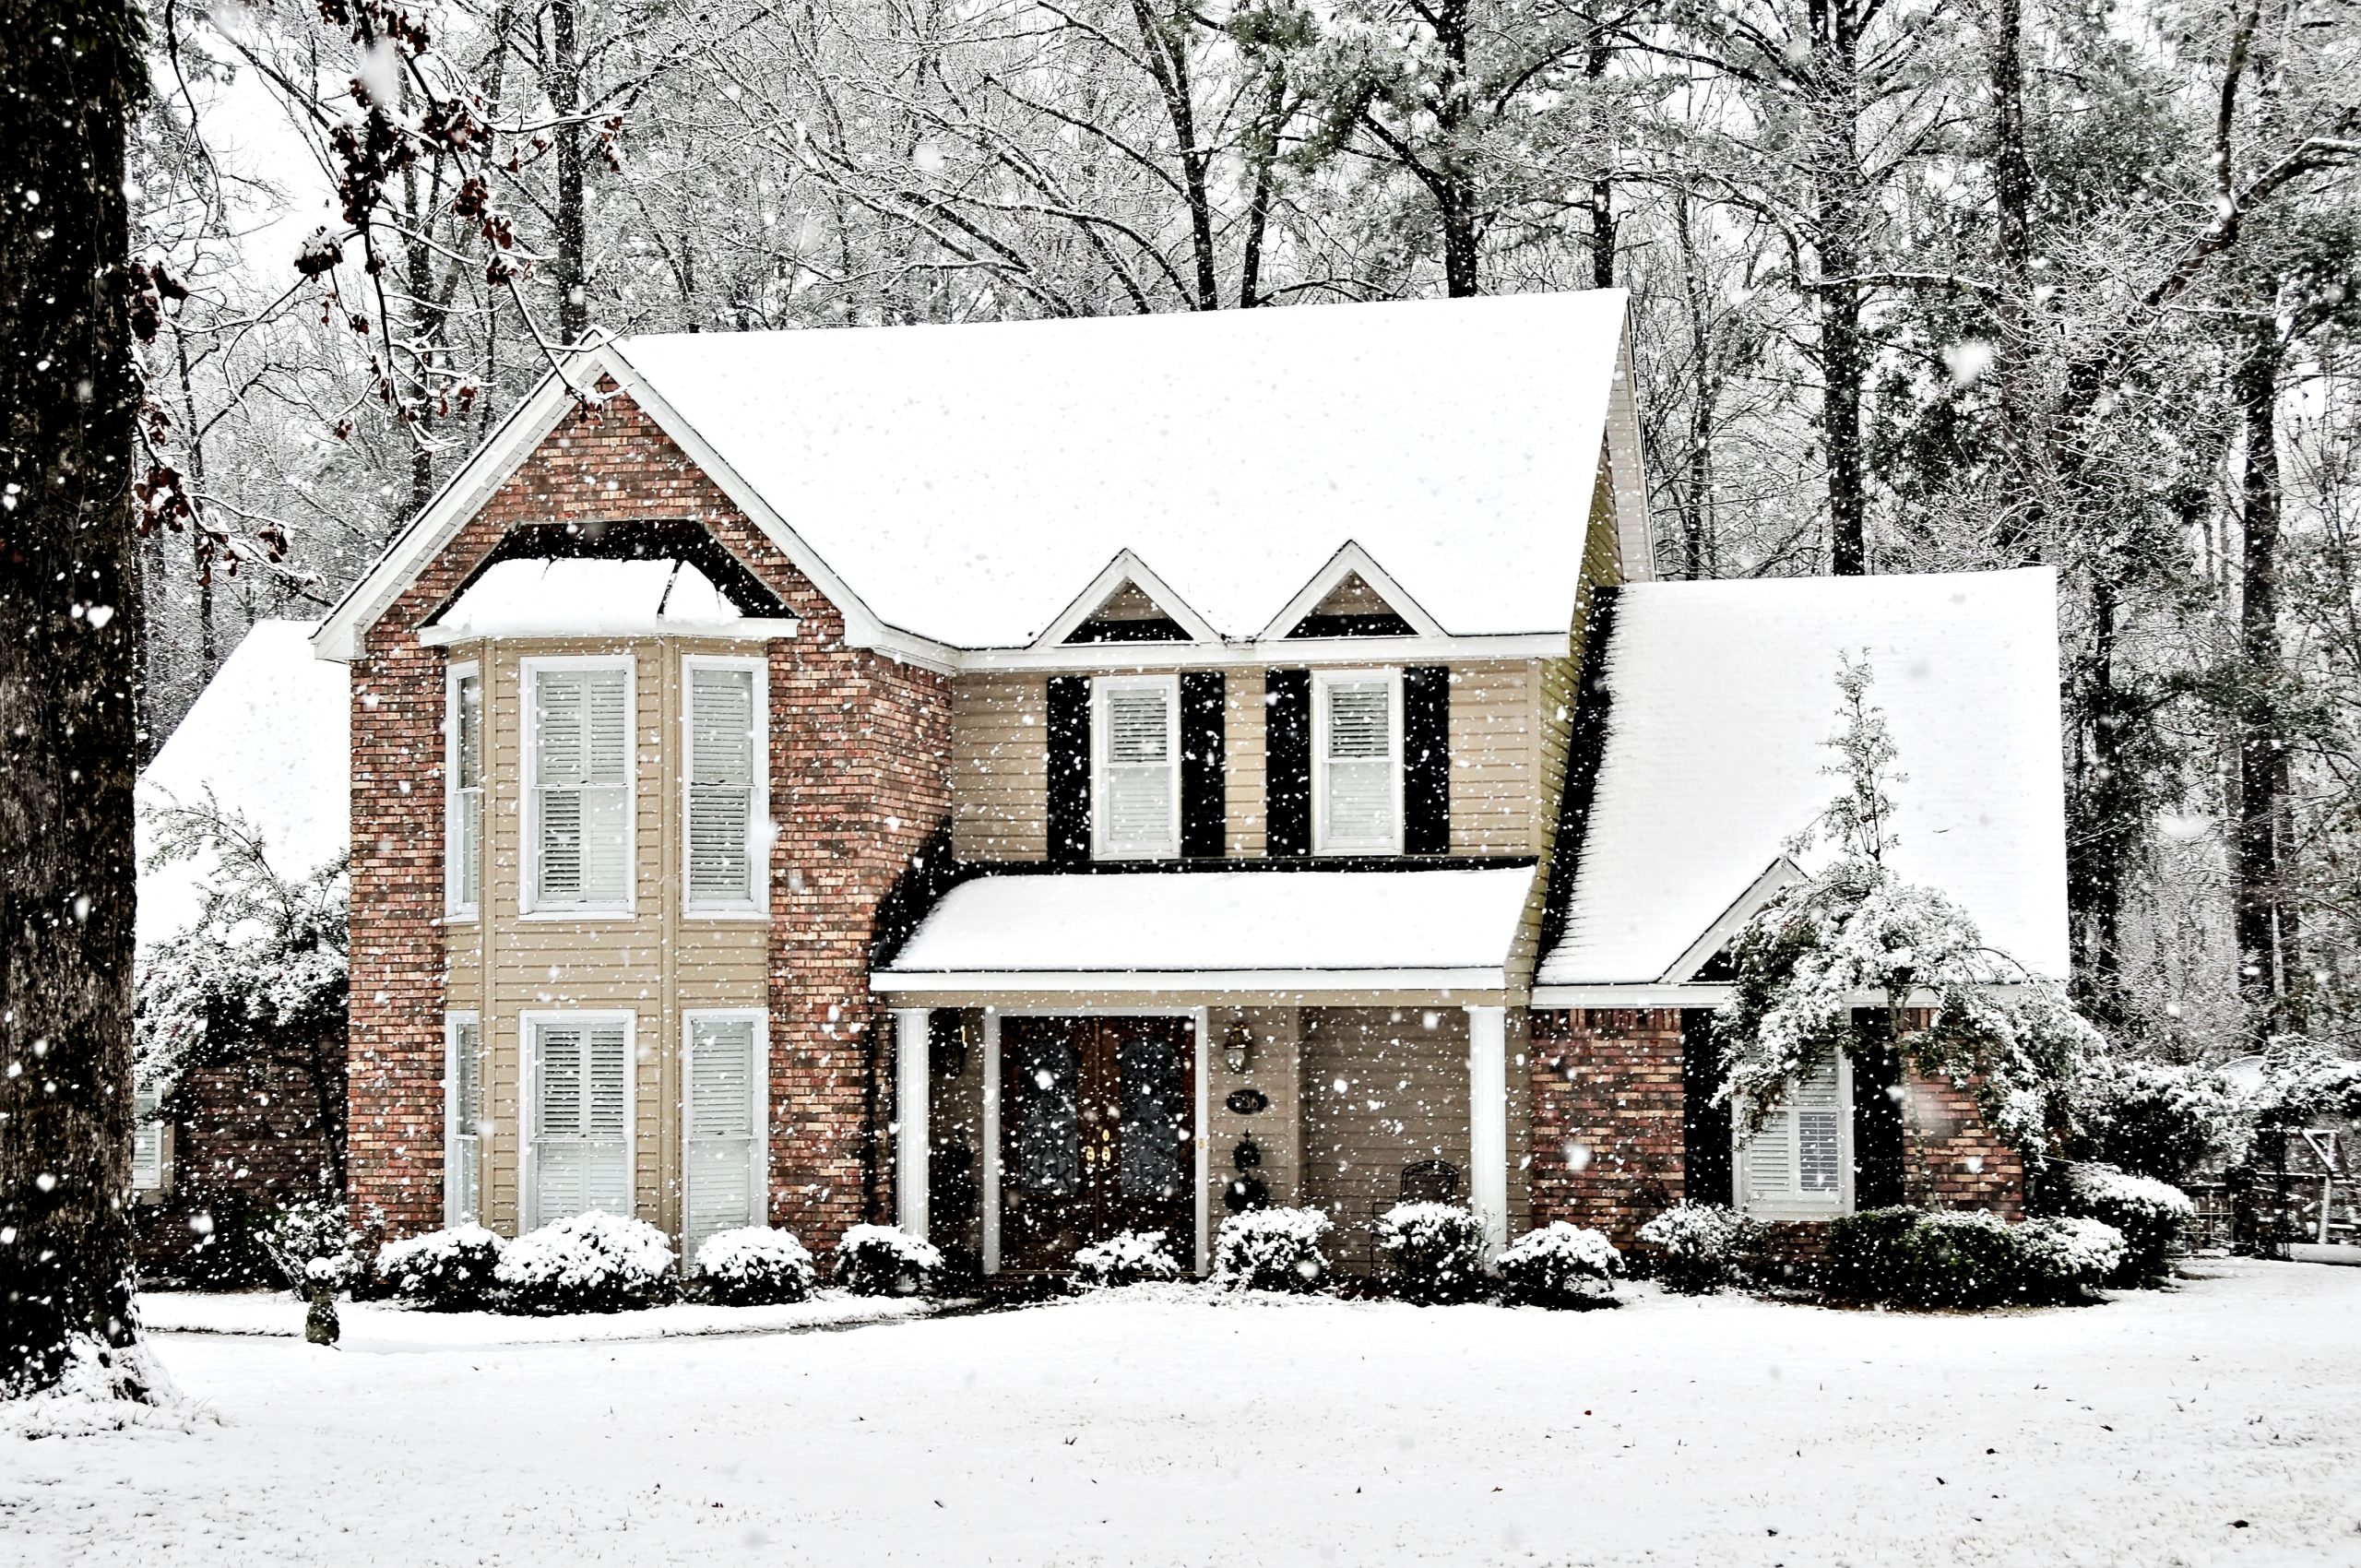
(1237, 1045)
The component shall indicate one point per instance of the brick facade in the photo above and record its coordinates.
(246, 1138)
(860, 779)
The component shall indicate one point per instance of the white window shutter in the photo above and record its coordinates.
(582, 769)
(581, 1154)
(722, 735)
(146, 1141)
(1359, 766)
(722, 1151)
(1140, 772)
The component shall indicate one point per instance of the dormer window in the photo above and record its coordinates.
(1136, 812)
(1357, 763)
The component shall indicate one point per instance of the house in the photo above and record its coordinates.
(1032, 781)
(235, 1135)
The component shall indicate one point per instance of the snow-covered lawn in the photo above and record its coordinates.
(1166, 1426)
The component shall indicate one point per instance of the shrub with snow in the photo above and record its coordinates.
(1272, 1249)
(1694, 1248)
(1128, 1257)
(2150, 1213)
(592, 1263)
(755, 1266)
(1967, 1259)
(444, 1271)
(1435, 1251)
(312, 1246)
(2073, 1253)
(878, 1260)
(1561, 1266)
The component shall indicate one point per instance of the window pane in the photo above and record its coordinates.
(1358, 811)
(1136, 812)
(1049, 1124)
(1153, 1111)
(720, 1153)
(1138, 725)
(1360, 718)
(1816, 1133)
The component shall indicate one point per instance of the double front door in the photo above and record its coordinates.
(1096, 1135)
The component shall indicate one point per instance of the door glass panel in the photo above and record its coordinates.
(1153, 1108)
(1049, 1126)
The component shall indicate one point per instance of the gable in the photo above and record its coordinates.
(1353, 609)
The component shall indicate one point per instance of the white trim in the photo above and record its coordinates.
(1101, 689)
(760, 833)
(991, 1141)
(752, 629)
(1779, 873)
(528, 1107)
(1656, 993)
(1322, 681)
(453, 1023)
(454, 678)
(758, 1092)
(1796, 1205)
(1626, 454)
(1350, 560)
(1201, 1133)
(1124, 569)
(528, 747)
(1155, 982)
(1085, 658)
(912, 1052)
(1487, 1120)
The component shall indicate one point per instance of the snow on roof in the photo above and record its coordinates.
(581, 598)
(1220, 922)
(967, 482)
(1722, 695)
(269, 737)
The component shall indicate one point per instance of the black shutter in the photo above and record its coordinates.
(1425, 760)
(1704, 1127)
(1205, 801)
(1286, 763)
(1069, 769)
(1876, 1111)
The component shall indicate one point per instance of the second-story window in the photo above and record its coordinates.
(463, 836)
(580, 791)
(725, 775)
(1357, 763)
(1134, 720)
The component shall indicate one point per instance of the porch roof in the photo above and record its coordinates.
(1139, 933)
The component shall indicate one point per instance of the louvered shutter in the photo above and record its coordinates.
(1425, 760)
(1069, 768)
(1205, 794)
(720, 1142)
(1704, 1127)
(463, 1117)
(582, 770)
(1877, 1111)
(1286, 761)
(1358, 797)
(1136, 812)
(146, 1141)
(721, 784)
(581, 1158)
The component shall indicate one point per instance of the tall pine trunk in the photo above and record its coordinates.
(2265, 926)
(69, 620)
(572, 270)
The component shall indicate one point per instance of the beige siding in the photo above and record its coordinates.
(1000, 768)
(1244, 746)
(1382, 1087)
(1495, 753)
(1271, 1066)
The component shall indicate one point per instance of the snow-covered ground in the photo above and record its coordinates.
(2217, 1423)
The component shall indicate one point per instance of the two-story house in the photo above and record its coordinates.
(1033, 780)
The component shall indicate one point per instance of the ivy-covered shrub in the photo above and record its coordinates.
(878, 1260)
(1128, 1257)
(443, 1271)
(753, 1266)
(1561, 1266)
(2150, 1214)
(1272, 1249)
(1964, 1259)
(592, 1263)
(1694, 1248)
(1435, 1251)
(2159, 1119)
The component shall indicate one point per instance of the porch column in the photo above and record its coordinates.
(910, 1122)
(992, 1140)
(1200, 1130)
(1487, 1119)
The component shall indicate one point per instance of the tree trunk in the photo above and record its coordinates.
(2021, 523)
(1596, 60)
(1164, 42)
(2264, 925)
(69, 620)
(1455, 187)
(572, 223)
(1840, 204)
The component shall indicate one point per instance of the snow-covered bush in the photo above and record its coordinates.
(878, 1260)
(1967, 1259)
(446, 1271)
(1128, 1257)
(1435, 1251)
(592, 1263)
(2073, 1253)
(312, 1245)
(2159, 1119)
(1272, 1249)
(1693, 1248)
(1561, 1266)
(753, 1266)
(2150, 1214)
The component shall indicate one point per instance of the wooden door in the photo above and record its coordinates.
(1096, 1133)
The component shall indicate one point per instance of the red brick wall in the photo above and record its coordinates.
(859, 779)
(246, 1138)
(1949, 1161)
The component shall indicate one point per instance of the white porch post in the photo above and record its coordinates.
(992, 1140)
(1200, 1135)
(910, 1126)
(1488, 1118)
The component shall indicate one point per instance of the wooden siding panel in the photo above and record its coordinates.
(1000, 768)
(1243, 739)
(1382, 1087)
(1495, 781)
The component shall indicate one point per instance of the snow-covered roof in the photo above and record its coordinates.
(269, 737)
(581, 598)
(960, 485)
(1455, 926)
(1721, 696)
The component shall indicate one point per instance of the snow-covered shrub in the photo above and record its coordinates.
(1128, 1257)
(1272, 1249)
(2150, 1213)
(1561, 1266)
(2071, 1253)
(312, 1245)
(446, 1271)
(1435, 1251)
(2159, 1119)
(878, 1260)
(755, 1266)
(1946, 1258)
(1693, 1248)
(592, 1263)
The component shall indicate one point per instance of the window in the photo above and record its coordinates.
(723, 1153)
(580, 1148)
(580, 793)
(463, 1115)
(463, 822)
(1134, 720)
(725, 729)
(1798, 1166)
(146, 1141)
(1357, 763)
